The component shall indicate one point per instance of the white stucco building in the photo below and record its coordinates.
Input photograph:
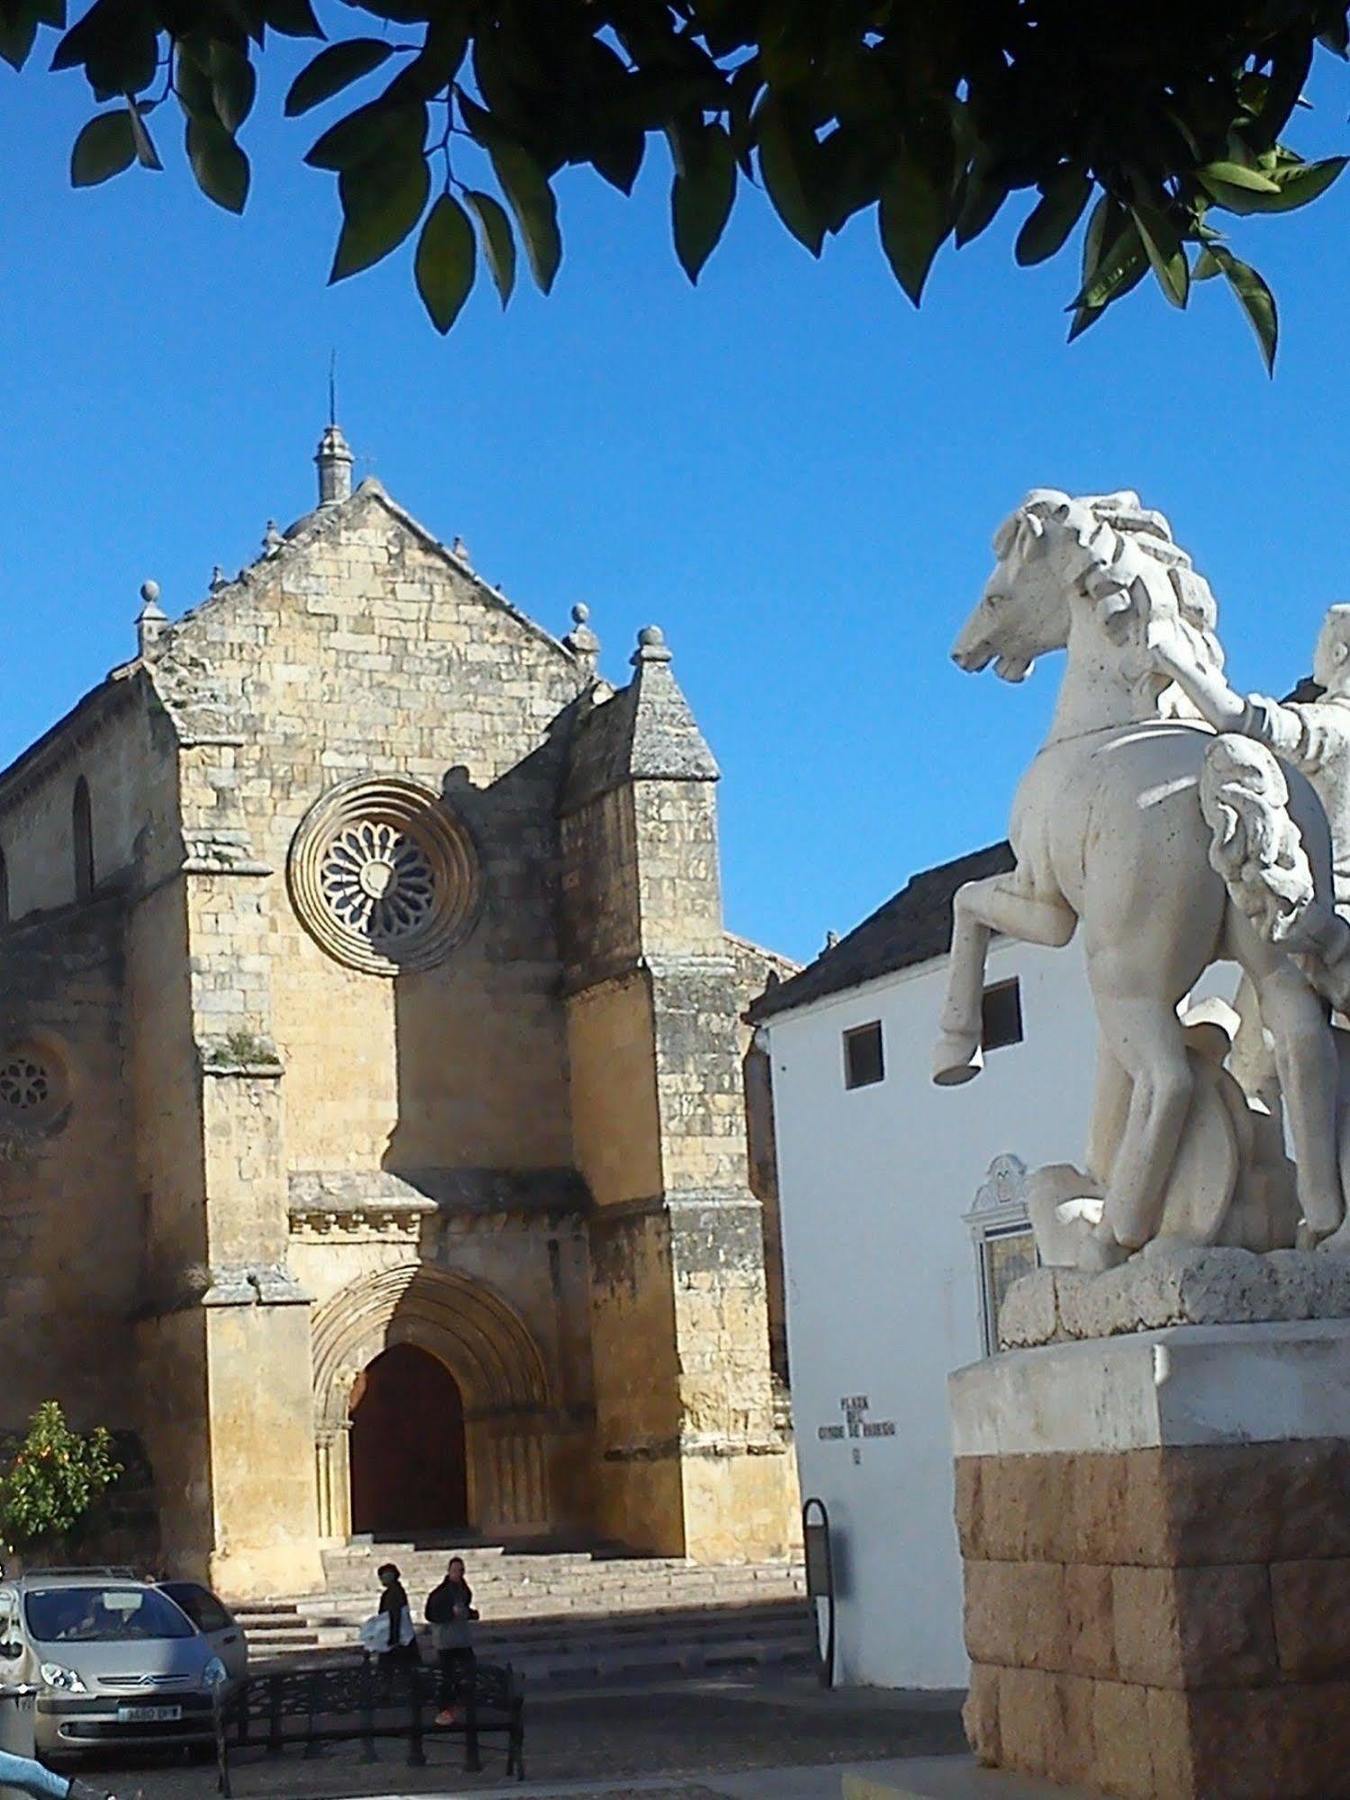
(892, 1274)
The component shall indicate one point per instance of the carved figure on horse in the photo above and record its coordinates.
(1122, 825)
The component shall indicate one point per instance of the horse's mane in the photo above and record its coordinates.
(1136, 569)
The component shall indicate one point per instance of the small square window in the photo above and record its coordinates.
(1001, 1015)
(864, 1061)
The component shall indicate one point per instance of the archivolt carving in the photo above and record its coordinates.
(481, 1339)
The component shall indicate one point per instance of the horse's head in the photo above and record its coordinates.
(1023, 612)
(1100, 567)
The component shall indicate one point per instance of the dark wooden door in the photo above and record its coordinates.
(407, 1447)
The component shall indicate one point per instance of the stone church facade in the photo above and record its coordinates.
(373, 1086)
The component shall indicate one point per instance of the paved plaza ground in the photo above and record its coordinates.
(669, 1743)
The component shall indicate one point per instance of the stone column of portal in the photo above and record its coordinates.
(1153, 1502)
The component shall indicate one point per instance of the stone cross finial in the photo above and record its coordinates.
(334, 462)
(651, 646)
(151, 620)
(581, 640)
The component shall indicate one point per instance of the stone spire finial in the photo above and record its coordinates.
(581, 640)
(151, 620)
(334, 461)
(651, 647)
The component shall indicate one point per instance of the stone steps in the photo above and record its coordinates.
(563, 1615)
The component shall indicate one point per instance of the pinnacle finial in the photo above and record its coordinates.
(651, 646)
(581, 640)
(151, 620)
(334, 461)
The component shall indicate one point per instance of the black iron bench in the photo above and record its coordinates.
(350, 1702)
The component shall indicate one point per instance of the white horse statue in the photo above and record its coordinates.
(1173, 853)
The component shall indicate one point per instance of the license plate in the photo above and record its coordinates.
(148, 1715)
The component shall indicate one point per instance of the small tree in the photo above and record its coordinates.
(54, 1480)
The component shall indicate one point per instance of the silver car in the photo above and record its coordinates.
(114, 1660)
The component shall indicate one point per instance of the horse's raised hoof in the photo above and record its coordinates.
(1338, 1242)
(958, 1057)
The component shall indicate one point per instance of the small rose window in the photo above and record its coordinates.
(33, 1087)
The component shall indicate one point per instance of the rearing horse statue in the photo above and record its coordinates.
(1111, 830)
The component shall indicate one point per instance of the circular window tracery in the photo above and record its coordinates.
(383, 877)
(25, 1084)
(34, 1088)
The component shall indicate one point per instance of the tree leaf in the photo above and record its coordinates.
(1301, 183)
(105, 147)
(1207, 266)
(234, 83)
(914, 219)
(783, 169)
(1255, 299)
(17, 37)
(981, 197)
(701, 198)
(1233, 174)
(292, 18)
(382, 201)
(334, 69)
(146, 154)
(1063, 197)
(618, 159)
(531, 200)
(499, 244)
(218, 163)
(369, 131)
(445, 262)
(1123, 263)
(1165, 252)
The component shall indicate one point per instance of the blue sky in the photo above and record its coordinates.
(788, 468)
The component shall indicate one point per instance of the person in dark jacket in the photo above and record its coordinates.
(450, 1615)
(394, 1606)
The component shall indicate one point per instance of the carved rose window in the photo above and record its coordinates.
(25, 1084)
(383, 876)
(378, 881)
(34, 1090)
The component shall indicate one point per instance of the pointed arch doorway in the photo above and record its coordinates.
(409, 1469)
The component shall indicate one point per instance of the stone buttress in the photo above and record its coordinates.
(687, 1457)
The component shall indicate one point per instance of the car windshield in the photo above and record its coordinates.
(102, 1615)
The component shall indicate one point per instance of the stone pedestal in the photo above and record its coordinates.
(1155, 1531)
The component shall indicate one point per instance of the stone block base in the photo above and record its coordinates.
(1157, 1587)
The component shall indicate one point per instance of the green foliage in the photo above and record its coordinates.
(244, 1050)
(55, 1478)
(1158, 121)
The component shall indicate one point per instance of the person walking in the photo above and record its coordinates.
(401, 1644)
(450, 1614)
